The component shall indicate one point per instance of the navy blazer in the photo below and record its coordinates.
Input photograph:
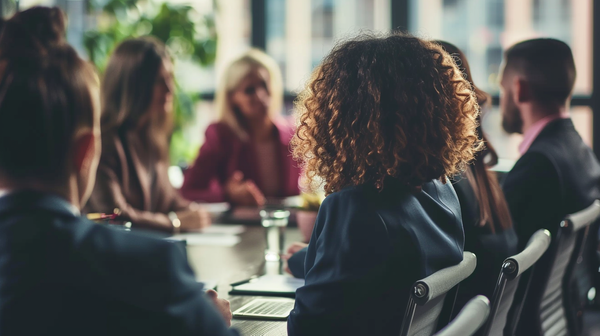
(366, 251)
(61, 274)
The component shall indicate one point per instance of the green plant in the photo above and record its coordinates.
(7, 7)
(189, 36)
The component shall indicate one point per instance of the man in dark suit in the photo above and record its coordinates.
(59, 273)
(557, 173)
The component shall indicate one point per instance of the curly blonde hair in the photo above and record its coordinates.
(385, 106)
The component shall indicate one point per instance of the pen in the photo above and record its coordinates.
(101, 216)
(243, 281)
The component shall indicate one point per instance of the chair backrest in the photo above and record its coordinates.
(544, 303)
(470, 318)
(427, 297)
(552, 313)
(507, 283)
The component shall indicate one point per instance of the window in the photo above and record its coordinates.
(301, 32)
(508, 22)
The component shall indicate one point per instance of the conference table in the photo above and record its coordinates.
(228, 264)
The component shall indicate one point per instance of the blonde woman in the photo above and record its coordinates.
(246, 155)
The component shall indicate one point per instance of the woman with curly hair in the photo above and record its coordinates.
(383, 122)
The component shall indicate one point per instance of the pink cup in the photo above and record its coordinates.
(306, 222)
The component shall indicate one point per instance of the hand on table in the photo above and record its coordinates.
(194, 219)
(295, 247)
(242, 192)
(222, 306)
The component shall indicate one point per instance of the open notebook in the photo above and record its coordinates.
(262, 328)
(268, 309)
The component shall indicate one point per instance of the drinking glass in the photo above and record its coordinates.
(274, 222)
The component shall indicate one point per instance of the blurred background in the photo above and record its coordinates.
(204, 35)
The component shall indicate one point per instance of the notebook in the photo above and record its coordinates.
(268, 285)
(269, 309)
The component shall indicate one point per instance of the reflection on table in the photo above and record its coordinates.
(229, 264)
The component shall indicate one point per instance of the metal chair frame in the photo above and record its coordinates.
(512, 270)
(435, 287)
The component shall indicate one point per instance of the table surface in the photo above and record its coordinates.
(225, 265)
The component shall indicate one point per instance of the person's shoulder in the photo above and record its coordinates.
(537, 167)
(438, 196)
(220, 128)
(440, 190)
(558, 138)
(347, 196)
(220, 132)
(532, 161)
(139, 250)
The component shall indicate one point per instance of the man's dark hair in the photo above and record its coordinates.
(547, 65)
(45, 96)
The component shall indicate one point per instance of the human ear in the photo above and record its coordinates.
(522, 90)
(84, 150)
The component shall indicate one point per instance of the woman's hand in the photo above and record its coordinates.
(222, 305)
(194, 219)
(240, 192)
(295, 247)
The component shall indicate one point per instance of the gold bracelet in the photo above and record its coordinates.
(175, 222)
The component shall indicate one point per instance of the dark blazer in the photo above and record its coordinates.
(557, 176)
(139, 187)
(296, 263)
(367, 249)
(63, 275)
(224, 152)
(490, 248)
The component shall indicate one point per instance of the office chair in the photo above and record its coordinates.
(427, 297)
(510, 274)
(470, 318)
(546, 303)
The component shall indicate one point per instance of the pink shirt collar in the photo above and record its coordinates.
(537, 128)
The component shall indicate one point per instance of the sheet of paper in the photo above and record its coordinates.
(208, 284)
(272, 283)
(193, 239)
(224, 229)
(216, 208)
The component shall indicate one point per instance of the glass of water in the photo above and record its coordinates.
(274, 222)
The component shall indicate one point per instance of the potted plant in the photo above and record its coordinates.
(188, 35)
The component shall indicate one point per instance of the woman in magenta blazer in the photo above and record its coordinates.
(246, 156)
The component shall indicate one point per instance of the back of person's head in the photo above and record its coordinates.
(386, 106)
(47, 97)
(546, 65)
(128, 83)
(233, 75)
(493, 209)
(461, 61)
